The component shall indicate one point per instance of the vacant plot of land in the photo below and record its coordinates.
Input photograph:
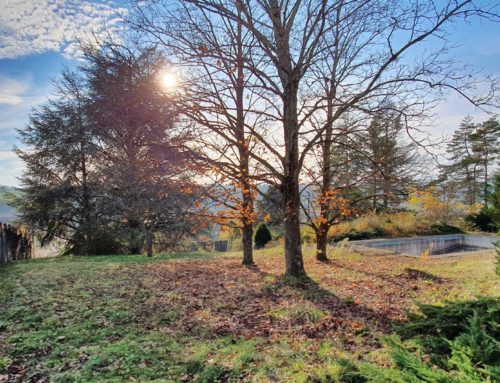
(196, 318)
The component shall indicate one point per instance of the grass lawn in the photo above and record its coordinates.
(205, 318)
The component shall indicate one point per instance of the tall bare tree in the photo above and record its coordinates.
(217, 101)
(361, 50)
(336, 173)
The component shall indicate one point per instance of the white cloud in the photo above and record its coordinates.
(451, 113)
(28, 27)
(17, 98)
(10, 169)
(12, 90)
(7, 155)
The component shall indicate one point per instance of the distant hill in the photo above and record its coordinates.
(8, 214)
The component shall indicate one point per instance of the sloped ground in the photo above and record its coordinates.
(196, 318)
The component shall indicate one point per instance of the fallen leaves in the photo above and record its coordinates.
(222, 297)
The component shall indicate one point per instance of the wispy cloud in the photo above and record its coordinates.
(452, 112)
(10, 169)
(7, 155)
(12, 90)
(28, 27)
(17, 97)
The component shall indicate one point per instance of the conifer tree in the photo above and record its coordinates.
(473, 151)
(393, 163)
(262, 236)
(142, 155)
(486, 148)
(269, 208)
(106, 166)
(464, 169)
(60, 182)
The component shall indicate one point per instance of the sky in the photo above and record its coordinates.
(38, 40)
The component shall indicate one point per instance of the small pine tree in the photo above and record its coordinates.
(472, 356)
(262, 236)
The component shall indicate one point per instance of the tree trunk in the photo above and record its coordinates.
(291, 188)
(323, 226)
(386, 195)
(246, 187)
(248, 244)
(293, 249)
(149, 242)
(322, 244)
(486, 179)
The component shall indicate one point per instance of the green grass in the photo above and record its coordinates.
(108, 319)
(79, 320)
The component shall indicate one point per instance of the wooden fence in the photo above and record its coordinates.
(15, 243)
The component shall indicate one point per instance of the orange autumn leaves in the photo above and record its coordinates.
(332, 200)
(236, 200)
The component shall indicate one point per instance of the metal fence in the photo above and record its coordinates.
(15, 243)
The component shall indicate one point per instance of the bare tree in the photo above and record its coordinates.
(336, 172)
(368, 69)
(308, 56)
(216, 98)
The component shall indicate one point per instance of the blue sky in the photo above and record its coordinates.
(37, 42)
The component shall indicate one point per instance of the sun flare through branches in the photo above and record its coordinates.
(169, 80)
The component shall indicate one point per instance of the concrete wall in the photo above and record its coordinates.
(481, 241)
(434, 243)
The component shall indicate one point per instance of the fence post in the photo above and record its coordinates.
(2, 240)
(15, 244)
(5, 246)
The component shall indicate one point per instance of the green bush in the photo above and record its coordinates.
(445, 229)
(454, 343)
(435, 325)
(262, 236)
(474, 358)
(449, 320)
(483, 221)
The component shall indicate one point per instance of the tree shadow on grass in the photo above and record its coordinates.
(343, 310)
(231, 299)
(401, 279)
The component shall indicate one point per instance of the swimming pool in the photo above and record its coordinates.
(435, 244)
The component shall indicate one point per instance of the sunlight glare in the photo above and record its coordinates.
(169, 81)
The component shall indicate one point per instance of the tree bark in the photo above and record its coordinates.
(247, 199)
(326, 169)
(291, 188)
(248, 244)
(293, 250)
(149, 242)
(322, 243)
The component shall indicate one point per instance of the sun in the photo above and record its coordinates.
(169, 81)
